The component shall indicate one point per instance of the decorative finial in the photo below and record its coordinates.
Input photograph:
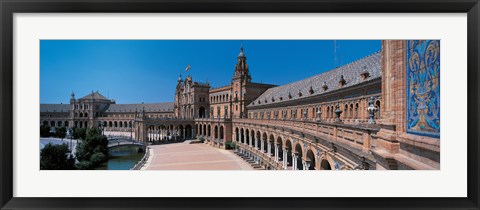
(73, 95)
(241, 54)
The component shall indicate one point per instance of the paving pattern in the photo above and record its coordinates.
(184, 156)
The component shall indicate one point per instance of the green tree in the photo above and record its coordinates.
(44, 131)
(56, 157)
(92, 150)
(61, 132)
(79, 133)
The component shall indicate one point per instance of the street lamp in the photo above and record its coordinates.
(71, 137)
(100, 126)
(131, 128)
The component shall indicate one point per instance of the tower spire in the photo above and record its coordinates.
(241, 54)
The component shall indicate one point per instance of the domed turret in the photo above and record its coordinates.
(241, 54)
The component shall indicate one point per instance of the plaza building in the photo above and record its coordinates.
(381, 111)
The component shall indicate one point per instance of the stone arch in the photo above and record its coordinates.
(326, 162)
(188, 132)
(209, 130)
(259, 138)
(356, 110)
(351, 115)
(242, 135)
(247, 136)
(264, 142)
(378, 112)
(237, 135)
(221, 133)
(110, 124)
(271, 142)
(252, 137)
(115, 123)
(299, 155)
(288, 148)
(201, 112)
(215, 132)
(280, 144)
(311, 158)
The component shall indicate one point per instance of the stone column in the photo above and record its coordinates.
(256, 142)
(276, 153)
(306, 165)
(175, 133)
(184, 129)
(262, 145)
(251, 142)
(294, 161)
(269, 149)
(285, 158)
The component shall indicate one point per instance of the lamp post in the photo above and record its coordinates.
(100, 126)
(71, 137)
(131, 128)
(371, 109)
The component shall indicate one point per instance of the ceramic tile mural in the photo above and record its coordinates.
(423, 87)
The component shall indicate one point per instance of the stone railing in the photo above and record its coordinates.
(142, 162)
(265, 159)
(358, 136)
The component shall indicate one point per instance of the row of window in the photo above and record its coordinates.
(219, 98)
(80, 106)
(348, 111)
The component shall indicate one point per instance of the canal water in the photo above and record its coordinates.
(123, 158)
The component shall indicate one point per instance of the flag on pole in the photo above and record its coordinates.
(188, 67)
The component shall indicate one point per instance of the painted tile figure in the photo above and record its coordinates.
(423, 87)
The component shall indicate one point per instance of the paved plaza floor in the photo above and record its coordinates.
(184, 156)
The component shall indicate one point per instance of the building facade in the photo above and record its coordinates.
(379, 112)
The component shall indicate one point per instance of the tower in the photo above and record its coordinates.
(241, 68)
(241, 78)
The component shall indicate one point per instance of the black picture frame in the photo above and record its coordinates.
(9, 7)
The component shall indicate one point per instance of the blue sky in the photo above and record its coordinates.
(135, 71)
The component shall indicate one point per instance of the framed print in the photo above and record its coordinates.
(245, 105)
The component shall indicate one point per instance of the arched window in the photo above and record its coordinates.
(351, 111)
(377, 114)
(356, 111)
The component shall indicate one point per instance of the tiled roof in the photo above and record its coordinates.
(154, 107)
(54, 107)
(350, 72)
(95, 95)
